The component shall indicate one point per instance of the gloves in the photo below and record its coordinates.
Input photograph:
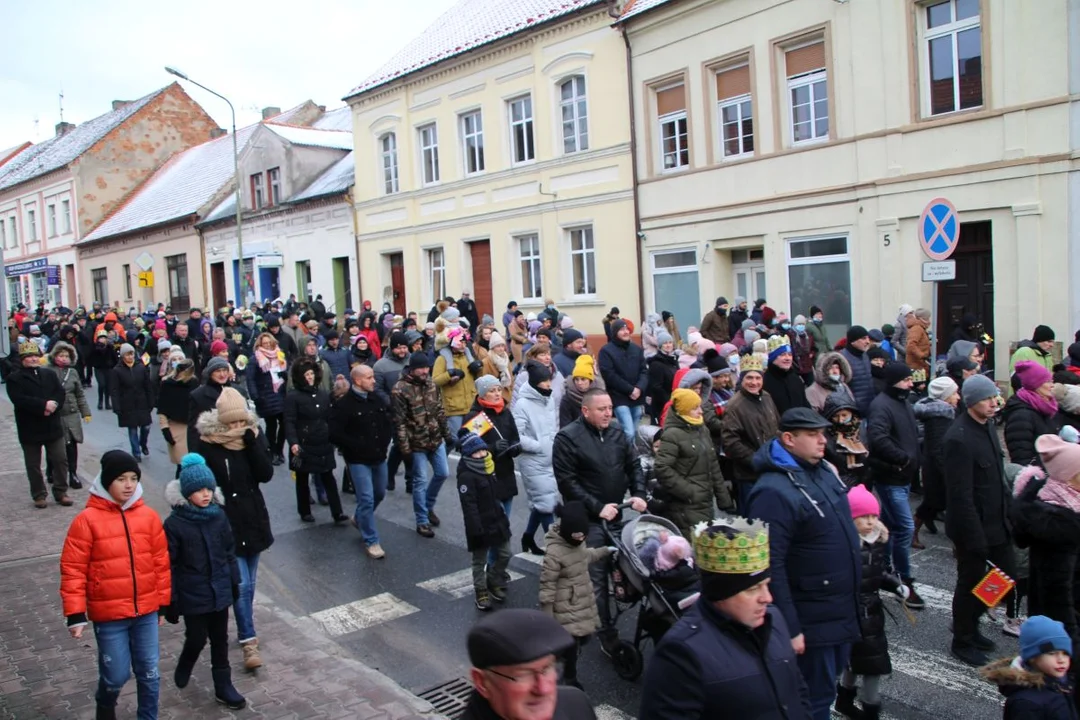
(1069, 434)
(475, 368)
(249, 437)
(456, 374)
(502, 447)
(171, 616)
(167, 434)
(235, 593)
(86, 420)
(514, 450)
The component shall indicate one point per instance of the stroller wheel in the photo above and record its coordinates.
(627, 661)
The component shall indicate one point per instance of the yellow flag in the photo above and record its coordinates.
(479, 424)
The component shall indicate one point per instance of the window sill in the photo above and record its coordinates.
(674, 170)
(582, 301)
(810, 143)
(953, 116)
(732, 159)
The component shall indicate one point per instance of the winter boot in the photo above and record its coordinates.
(845, 703)
(483, 601)
(105, 713)
(252, 661)
(224, 691)
(528, 544)
(913, 601)
(184, 666)
(73, 480)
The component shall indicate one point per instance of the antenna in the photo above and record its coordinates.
(61, 105)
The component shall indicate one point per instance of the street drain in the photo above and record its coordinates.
(450, 698)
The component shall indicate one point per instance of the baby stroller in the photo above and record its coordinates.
(631, 586)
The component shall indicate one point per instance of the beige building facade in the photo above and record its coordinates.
(787, 150)
(503, 170)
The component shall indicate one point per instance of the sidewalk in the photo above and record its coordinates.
(44, 673)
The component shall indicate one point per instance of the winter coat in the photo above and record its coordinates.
(749, 422)
(239, 473)
(623, 368)
(1030, 695)
(566, 591)
(457, 397)
(558, 386)
(715, 327)
(894, 440)
(566, 359)
(505, 377)
(29, 389)
(823, 386)
(813, 547)
(686, 379)
(361, 427)
(688, 471)
(174, 407)
(1028, 350)
(504, 428)
(486, 524)
(115, 562)
(102, 356)
(976, 494)
(803, 352)
(870, 655)
(132, 396)
(387, 372)
(918, 346)
(819, 335)
(419, 418)
(537, 423)
(202, 399)
(595, 466)
(1023, 424)
(649, 344)
(202, 555)
(337, 361)
(570, 704)
(325, 381)
(307, 424)
(662, 369)
(786, 388)
(707, 664)
(75, 407)
(862, 381)
(936, 417)
(261, 390)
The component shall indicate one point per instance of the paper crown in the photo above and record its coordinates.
(732, 546)
(750, 363)
(777, 341)
(918, 376)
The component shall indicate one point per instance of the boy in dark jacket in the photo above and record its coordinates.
(486, 524)
(1036, 684)
(205, 577)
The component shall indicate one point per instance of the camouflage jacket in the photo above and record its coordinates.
(419, 418)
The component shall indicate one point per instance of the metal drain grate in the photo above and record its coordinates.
(450, 698)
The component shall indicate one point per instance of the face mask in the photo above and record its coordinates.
(800, 328)
(733, 360)
(785, 326)
(249, 322)
(721, 311)
(835, 377)
(174, 364)
(817, 321)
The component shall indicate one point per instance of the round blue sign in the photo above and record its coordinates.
(939, 229)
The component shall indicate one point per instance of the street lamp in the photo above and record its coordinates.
(236, 164)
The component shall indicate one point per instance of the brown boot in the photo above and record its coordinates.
(252, 661)
(915, 543)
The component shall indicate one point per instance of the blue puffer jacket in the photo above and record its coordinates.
(338, 360)
(202, 556)
(261, 390)
(862, 382)
(622, 365)
(813, 547)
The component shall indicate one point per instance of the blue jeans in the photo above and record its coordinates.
(454, 422)
(370, 484)
(138, 437)
(629, 416)
(125, 646)
(425, 492)
(493, 552)
(821, 668)
(244, 607)
(896, 514)
(537, 520)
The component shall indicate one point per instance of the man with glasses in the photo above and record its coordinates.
(515, 658)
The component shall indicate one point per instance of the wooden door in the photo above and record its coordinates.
(481, 277)
(217, 285)
(397, 283)
(973, 289)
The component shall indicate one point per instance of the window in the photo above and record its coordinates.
(126, 271)
(39, 281)
(273, 179)
(808, 93)
(735, 112)
(819, 273)
(529, 252)
(437, 273)
(521, 130)
(583, 260)
(388, 148)
(50, 217)
(675, 284)
(952, 56)
(31, 224)
(99, 279)
(671, 111)
(65, 210)
(472, 133)
(429, 155)
(258, 199)
(3, 234)
(176, 266)
(14, 288)
(13, 233)
(575, 114)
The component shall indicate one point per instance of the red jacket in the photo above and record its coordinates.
(115, 563)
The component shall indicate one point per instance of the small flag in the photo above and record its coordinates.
(479, 424)
(146, 358)
(993, 587)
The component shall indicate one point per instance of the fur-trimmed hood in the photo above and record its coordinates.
(933, 408)
(824, 361)
(208, 423)
(177, 499)
(301, 366)
(60, 346)
(1006, 673)
(692, 377)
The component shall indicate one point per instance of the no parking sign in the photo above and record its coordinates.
(939, 229)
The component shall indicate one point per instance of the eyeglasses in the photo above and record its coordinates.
(531, 676)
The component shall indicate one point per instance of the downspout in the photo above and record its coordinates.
(638, 235)
(203, 266)
(359, 299)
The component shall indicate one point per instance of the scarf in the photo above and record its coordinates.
(229, 438)
(692, 420)
(194, 513)
(496, 406)
(269, 362)
(1061, 494)
(1042, 405)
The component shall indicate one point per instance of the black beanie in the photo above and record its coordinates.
(418, 360)
(856, 332)
(397, 339)
(114, 464)
(877, 352)
(814, 310)
(1074, 354)
(1042, 333)
(574, 518)
(537, 373)
(895, 372)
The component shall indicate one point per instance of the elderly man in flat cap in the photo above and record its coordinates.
(515, 655)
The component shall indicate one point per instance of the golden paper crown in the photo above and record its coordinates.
(732, 546)
(750, 363)
(918, 376)
(777, 341)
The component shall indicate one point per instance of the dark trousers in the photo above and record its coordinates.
(103, 397)
(197, 629)
(598, 572)
(275, 432)
(71, 449)
(393, 460)
(970, 569)
(303, 493)
(56, 454)
(86, 373)
(821, 668)
(742, 492)
(570, 658)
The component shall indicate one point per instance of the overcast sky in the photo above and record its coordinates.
(257, 54)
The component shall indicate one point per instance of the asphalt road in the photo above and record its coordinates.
(407, 615)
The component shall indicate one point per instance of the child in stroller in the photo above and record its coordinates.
(670, 560)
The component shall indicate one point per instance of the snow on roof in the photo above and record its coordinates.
(288, 115)
(311, 137)
(178, 189)
(8, 153)
(338, 178)
(56, 152)
(340, 119)
(636, 7)
(468, 25)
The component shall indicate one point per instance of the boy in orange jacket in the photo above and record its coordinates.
(114, 572)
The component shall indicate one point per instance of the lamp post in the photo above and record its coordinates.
(242, 301)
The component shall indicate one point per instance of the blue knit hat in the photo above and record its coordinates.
(470, 443)
(195, 475)
(1040, 635)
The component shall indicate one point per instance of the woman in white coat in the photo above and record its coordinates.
(536, 415)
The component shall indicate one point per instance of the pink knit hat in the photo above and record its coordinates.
(1032, 374)
(672, 551)
(863, 502)
(1060, 458)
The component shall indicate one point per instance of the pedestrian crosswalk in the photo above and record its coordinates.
(456, 585)
(362, 614)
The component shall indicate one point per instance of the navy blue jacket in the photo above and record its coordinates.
(813, 547)
(565, 361)
(203, 560)
(707, 665)
(862, 382)
(337, 360)
(623, 368)
(261, 391)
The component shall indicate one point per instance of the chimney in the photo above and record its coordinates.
(63, 128)
(269, 112)
(217, 133)
(117, 104)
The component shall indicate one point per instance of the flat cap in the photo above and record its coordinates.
(516, 636)
(802, 419)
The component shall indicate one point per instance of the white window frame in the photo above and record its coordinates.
(808, 80)
(258, 192)
(31, 223)
(388, 160)
(65, 206)
(579, 124)
(436, 260)
(14, 291)
(673, 119)
(427, 137)
(587, 231)
(789, 261)
(954, 29)
(100, 282)
(273, 185)
(526, 153)
(13, 232)
(529, 262)
(50, 219)
(737, 103)
(472, 131)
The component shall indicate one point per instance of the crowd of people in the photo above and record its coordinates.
(752, 430)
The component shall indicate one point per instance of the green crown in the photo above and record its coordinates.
(732, 546)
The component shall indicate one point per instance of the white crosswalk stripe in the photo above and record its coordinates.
(362, 614)
(941, 670)
(456, 585)
(607, 712)
(529, 557)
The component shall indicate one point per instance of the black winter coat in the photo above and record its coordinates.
(1023, 424)
(132, 394)
(307, 424)
(261, 390)
(894, 439)
(174, 399)
(594, 466)
(862, 382)
(976, 494)
(239, 474)
(662, 369)
(571, 704)
(786, 388)
(102, 356)
(361, 427)
(29, 390)
(486, 524)
(203, 559)
(936, 418)
(622, 365)
(504, 429)
(708, 664)
(870, 656)
(202, 399)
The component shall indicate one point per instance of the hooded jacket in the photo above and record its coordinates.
(649, 343)
(566, 591)
(662, 370)
(623, 367)
(75, 407)
(536, 422)
(1030, 695)
(823, 386)
(688, 472)
(132, 395)
(750, 422)
(936, 417)
(596, 466)
(785, 387)
(918, 345)
(486, 524)
(307, 423)
(29, 389)
(1023, 424)
(870, 655)
(202, 556)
